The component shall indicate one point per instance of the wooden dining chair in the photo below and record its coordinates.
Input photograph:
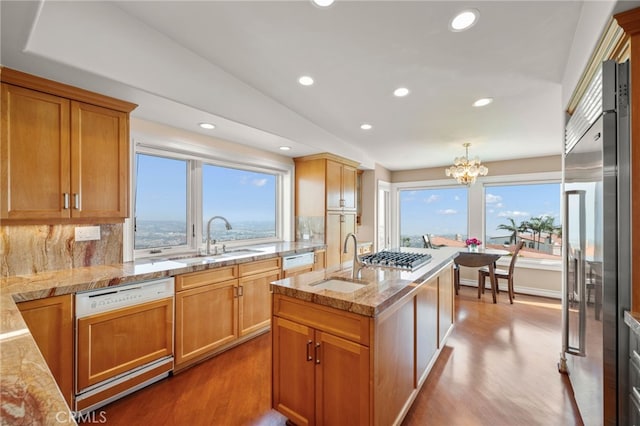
(501, 273)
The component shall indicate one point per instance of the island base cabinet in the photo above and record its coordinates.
(293, 371)
(342, 381)
(318, 378)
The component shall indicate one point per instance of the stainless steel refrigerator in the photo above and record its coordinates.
(596, 249)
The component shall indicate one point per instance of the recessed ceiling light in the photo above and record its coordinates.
(285, 148)
(401, 91)
(366, 126)
(464, 20)
(305, 80)
(322, 3)
(207, 126)
(482, 102)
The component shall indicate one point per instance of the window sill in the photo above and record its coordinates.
(541, 264)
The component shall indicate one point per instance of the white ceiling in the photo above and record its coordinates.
(235, 64)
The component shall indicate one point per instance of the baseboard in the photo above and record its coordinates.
(519, 289)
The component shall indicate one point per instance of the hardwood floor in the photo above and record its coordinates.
(498, 368)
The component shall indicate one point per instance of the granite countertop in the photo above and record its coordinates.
(28, 391)
(632, 319)
(384, 286)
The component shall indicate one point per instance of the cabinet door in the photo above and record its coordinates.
(255, 301)
(347, 225)
(445, 303)
(206, 318)
(337, 227)
(50, 321)
(100, 162)
(293, 371)
(426, 327)
(342, 381)
(333, 239)
(349, 187)
(334, 185)
(319, 256)
(114, 342)
(34, 154)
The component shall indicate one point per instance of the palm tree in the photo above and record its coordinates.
(512, 228)
(549, 226)
(537, 225)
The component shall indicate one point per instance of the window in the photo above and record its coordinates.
(247, 199)
(440, 213)
(525, 212)
(177, 193)
(160, 202)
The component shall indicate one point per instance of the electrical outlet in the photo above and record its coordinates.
(87, 233)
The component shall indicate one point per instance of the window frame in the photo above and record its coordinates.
(416, 185)
(196, 157)
(476, 196)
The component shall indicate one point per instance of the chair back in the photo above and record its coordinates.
(514, 257)
(427, 241)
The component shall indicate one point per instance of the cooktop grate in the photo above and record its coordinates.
(396, 259)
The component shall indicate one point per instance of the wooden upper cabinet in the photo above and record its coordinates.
(341, 186)
(34, 154)
(64, 153)
(100, 162)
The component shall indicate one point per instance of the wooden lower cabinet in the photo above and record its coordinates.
(221, 307)
(255, 301)
(319, 378)
(333, 367)
(206, 318)
(50, 321)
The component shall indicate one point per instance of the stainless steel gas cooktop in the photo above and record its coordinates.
(396, 259)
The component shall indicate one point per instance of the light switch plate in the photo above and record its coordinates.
(87, 233)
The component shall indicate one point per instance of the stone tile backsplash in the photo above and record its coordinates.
(38, 248)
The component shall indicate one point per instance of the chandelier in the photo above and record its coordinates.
(466, 171)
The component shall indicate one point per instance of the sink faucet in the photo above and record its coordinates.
(227, 224)
(357, 264)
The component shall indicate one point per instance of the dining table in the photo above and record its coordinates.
(477, 259)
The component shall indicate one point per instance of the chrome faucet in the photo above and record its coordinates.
(227, 224)
(357, 264)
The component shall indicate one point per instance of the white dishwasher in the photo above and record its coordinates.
(123, 341)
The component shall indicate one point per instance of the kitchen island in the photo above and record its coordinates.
(359, 352)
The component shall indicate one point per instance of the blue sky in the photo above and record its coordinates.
(444, 211)
(238, 195)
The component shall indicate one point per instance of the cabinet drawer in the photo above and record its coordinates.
(339, 323)
(259, 266)
(198, 279)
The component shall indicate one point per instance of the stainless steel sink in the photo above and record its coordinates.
(210, 258)
(340, 286)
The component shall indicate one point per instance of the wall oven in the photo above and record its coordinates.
(123, 341)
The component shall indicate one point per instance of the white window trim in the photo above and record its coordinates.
(199, 155)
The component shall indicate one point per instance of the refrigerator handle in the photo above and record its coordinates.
(580, 283)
